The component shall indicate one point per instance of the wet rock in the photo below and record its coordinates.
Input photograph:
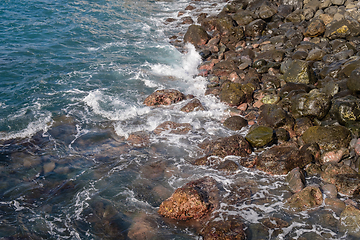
(315, 54)
(347, 184)
(234, 145)
(334, 156)
(343, 28)
(227, 166)
(280, 160)
(192, 201)
(193, 105)
(299, 55)
(173, 128)
(282, 135)
(255, 28)
(296, 180)
(164, 97)
(301, 125)
(309, 197)
(353, 82)
(350, 221)
(266, 11)
(314, 104)
(260, 136)
(315, 28)
(274, 223)
(196, 35)
(329, 138)
(293, 87)
(272, 115)
(139, 139)
(296, 16)
(235, 123)
(299, 71)
(335, 205)
(231, 228)
(235, 93)
(330, 190)
(243, 17)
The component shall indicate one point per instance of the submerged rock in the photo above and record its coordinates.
(192, 201)
(350, 221)
(173, 128)
(164, 97)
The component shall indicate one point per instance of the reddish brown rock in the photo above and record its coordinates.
(192, 201)
(280, 160)
(193, 105)
(234, 145)
(309, 197)
(139, 139)
(164, 97)
(173, 127)
(296, 180)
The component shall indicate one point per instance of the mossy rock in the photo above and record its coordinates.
(260, 136)
(299, 71)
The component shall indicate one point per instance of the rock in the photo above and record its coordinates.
(329, 138)
(234, 93)
(173, 128)
(346, 109)
(255, 28)
(272, 115)
(243, 17)
(353, 82)
(143, 228)
(192, 201)
(315, 54)
(234, 145)
(235, 123)
(292, 87)
(227, 166)
(343, 28)
(315, 28)
(299, 71)
(193, 105)
(164, 97)
(350, 221)
(348, 184)
(314, 104)
(260, 136)
(357, 146)
(309, 197)
(301, 125)
(334, 156)
(139, 139)
(282, 135)
(231, 228)
(296, 180)
(266, 11)
(196, 35)
(335, 205)
(280, 160)
(330, 190)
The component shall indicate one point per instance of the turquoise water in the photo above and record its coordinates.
(74, 75)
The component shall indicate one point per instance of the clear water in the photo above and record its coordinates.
(74, 75)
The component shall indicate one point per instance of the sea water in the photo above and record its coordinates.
(74, 75)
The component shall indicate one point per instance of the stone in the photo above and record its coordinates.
(139, 139)
(235, 93)
(348, 184)
(308, 198)
(279, 160)
(330, 190)
(343, 28)
(328, 138)
(301, 125)
(143, 227)
(235, 123)
(296, 180)
(315, 54)
(243, 17)
(315, 28)
(346, 109)
(334, 156)
(234, 145)
(196, 35)
(350, 221)
(266, 11)
(231, 228)
(272, 115)
(164, 97)
(299, 71)
(228, 166)
(173, 128)
(255, 28)
(335, 205)
(193, 105)
(353, 82)
(314, 104)
(192, 201)
(260, 136)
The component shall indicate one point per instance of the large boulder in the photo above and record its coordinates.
(164, 97)
(343, 28)
(328, 138)
(280, 160)
(192, 201)
(309, 197)
(314, 104)
(299, 71)
(196, 35)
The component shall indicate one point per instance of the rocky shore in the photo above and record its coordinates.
(290, 69)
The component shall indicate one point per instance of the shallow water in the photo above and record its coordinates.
(74, 75)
